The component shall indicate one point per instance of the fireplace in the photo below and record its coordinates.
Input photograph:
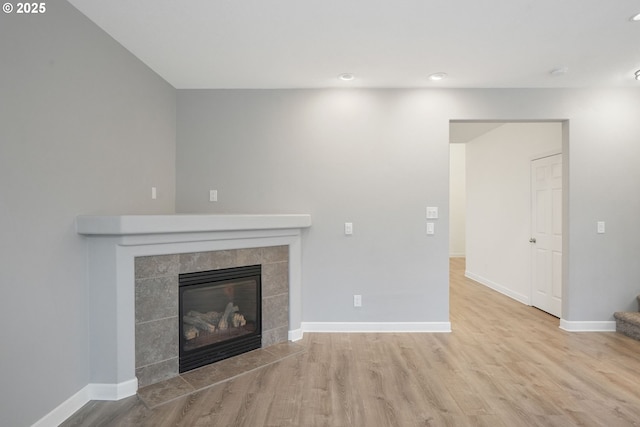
(133, 264)
(157, 295)
(220, 314)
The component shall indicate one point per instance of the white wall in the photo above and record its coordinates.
(85, 128)
(498, 203)
(457, 200)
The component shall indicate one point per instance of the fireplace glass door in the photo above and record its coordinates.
(220, 315)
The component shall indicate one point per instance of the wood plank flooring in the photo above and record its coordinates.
(504, 364)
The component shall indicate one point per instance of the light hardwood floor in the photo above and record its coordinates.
(504, 364)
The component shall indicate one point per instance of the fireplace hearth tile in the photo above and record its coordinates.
(156, 266)
(224, 259)
(196, 261)
(274, 336)
(206, 375)
(248, 361)
(210, 375)
(156, 298)
(228, 368)
(165, 391)
(250, 256)
(276, 254)
(277, 282)
(275, 312)
(157, 372)
(156, 341)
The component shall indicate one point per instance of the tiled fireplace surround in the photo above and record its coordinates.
(138, 257)
(156, 302)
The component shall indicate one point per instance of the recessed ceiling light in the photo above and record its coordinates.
(346, 77)
(437, 76)
(635, 18)
(560, 71)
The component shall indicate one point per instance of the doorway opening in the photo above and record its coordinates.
(490, 200)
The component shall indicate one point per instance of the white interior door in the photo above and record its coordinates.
(546, 234)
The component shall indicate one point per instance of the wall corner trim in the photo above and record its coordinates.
(113, 391)
(295, 335)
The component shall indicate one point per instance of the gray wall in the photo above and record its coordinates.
(377, 158)
(85, 128)
(373, 158)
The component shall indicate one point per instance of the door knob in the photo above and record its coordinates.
(532, 240)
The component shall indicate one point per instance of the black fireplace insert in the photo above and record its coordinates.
(220, 314)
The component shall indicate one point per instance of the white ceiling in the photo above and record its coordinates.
(385, 43)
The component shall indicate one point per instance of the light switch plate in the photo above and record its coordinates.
(600, 227)
(431, 229)
(357, 300)
(348, 228)
(432, 212)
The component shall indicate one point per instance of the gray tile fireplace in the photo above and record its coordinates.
(156, 302)
(133, 263)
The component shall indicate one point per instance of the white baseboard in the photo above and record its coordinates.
(376, 326)
(588, 326)
(295, 335)
(457, 255)
(65, 410)
(81, 398)
(113, 391)
(524, 299)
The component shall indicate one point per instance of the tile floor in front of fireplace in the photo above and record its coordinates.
(207, 376)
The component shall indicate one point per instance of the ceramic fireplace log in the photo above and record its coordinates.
(238, 320)
(190, 332)
(212, 317)
(199, 323)
(228, 311)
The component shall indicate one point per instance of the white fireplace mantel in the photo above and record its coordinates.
(115, 241)
(119, 225)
